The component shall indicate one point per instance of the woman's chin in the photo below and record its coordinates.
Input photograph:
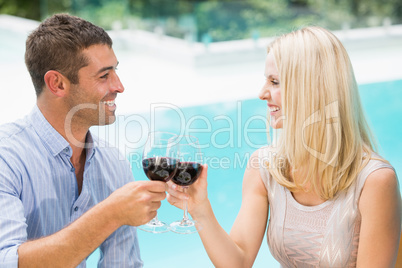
(276, 125)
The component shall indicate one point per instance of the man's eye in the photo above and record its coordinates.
(104, 76)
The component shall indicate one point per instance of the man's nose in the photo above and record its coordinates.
(116, 85)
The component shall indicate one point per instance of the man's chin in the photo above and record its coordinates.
(107, 121)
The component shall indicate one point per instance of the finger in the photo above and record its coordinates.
(156, 186)
(171, 185)
(151, 215)
(175, 187)
(155, 197)
(154, 206)
(202, 180)
(175, 192)
(174, 201)
(204, 172)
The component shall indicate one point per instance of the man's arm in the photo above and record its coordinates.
(133, 204)
(122, 247)
(68, 247)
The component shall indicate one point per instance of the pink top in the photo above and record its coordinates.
(326, 235)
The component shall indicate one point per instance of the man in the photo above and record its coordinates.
(63, 192)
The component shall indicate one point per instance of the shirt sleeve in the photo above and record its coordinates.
(12, 220)
(121, 249)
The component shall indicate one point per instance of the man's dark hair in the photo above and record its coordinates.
(57, 44)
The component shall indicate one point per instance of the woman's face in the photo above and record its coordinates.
(271, 92)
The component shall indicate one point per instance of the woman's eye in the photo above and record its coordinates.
(275, 82)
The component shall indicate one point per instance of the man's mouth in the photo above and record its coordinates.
(109, 103)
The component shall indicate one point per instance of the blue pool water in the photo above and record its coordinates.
(231, 132)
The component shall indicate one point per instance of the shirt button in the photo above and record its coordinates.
(76, 209)
(72, 169)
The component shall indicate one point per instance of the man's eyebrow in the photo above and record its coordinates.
(107, 68)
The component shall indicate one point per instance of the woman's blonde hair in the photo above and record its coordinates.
(325, 133)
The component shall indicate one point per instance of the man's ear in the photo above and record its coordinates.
(56, 83)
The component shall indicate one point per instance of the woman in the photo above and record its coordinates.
(333, 201)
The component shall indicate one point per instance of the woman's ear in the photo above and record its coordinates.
(56, 83)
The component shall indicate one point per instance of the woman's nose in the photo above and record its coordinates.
(264, 93)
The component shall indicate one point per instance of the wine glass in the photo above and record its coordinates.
(159, 162)
(189, 169)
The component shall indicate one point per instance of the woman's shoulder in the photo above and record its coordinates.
(376, 167)
(258, 159)
(380, 194)
(254, 180)
(378, 178)
(264, 153)
(383, 175)
(259, 163)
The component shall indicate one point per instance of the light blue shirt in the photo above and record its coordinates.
(39, 193)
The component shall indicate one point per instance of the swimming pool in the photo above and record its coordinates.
(230, 132)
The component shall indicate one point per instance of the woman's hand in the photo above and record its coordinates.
(196, 194)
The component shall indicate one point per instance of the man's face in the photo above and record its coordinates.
(92, 100)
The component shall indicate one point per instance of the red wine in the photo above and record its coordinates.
(187, 173)
(159, 168)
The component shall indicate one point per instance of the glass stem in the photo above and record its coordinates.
(155, 219)
(185, 207)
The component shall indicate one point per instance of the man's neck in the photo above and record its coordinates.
(74, 133)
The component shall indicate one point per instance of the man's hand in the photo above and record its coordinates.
(136, 203)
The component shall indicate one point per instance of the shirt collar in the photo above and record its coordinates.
(53, 140)
(50, 137)
(91, 145)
